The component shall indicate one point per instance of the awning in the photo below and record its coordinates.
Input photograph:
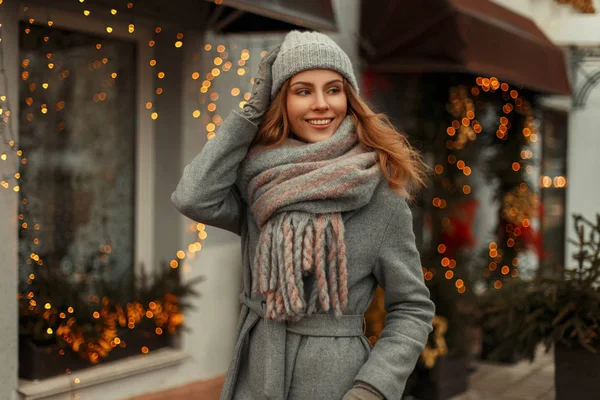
(221, 16)
(236, 16)
(474, 36)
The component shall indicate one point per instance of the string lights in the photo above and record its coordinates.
(520, 204)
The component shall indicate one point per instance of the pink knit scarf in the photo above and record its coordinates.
(297, 192)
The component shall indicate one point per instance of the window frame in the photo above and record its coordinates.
(145, 165)
(144, 194)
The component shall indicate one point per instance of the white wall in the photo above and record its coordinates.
(566, 27)
(8, 217)
(583, 165)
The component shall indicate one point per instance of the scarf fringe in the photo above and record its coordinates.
(292, 246)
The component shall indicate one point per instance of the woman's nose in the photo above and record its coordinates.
(320, 103)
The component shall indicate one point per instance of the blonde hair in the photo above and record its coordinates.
(400, 163)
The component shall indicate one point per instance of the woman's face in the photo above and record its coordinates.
(316, 104)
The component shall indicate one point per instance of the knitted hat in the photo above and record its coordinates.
(309, 50)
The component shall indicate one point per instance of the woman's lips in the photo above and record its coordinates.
(320, 126)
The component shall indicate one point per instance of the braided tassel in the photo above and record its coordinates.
(308, 247)
(338, 227)
(320, 259)
(281, 269)
(332, 256)
(288, 258)
(299, 226)
(274, 296)
(261, 270)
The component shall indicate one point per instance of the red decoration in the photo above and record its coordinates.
(532, 238)
(458, 235)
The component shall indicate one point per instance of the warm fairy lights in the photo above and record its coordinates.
(520, 205)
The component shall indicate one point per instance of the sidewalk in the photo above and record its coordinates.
(522, 381)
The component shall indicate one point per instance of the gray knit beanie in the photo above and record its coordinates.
(309, 50)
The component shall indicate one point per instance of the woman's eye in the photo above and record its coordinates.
(303, 92)
(334, 90)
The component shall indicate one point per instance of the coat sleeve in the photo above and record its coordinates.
(409, 308)
(207, 192)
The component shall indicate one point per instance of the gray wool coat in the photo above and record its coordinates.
(318, 359)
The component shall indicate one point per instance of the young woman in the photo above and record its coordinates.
(316, 185)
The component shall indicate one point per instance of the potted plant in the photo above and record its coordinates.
(496, 308)
(63, 328)
(562, 311)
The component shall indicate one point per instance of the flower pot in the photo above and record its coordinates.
(43, 360)
(446, 379)
(577, 373)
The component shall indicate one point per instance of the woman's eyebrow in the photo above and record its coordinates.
(311, 85)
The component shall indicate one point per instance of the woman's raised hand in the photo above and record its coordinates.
(255, 109)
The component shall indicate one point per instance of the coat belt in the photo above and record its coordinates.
(313, 325)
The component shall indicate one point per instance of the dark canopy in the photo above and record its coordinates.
(226, 16)
(475, 36)
(235, 16)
